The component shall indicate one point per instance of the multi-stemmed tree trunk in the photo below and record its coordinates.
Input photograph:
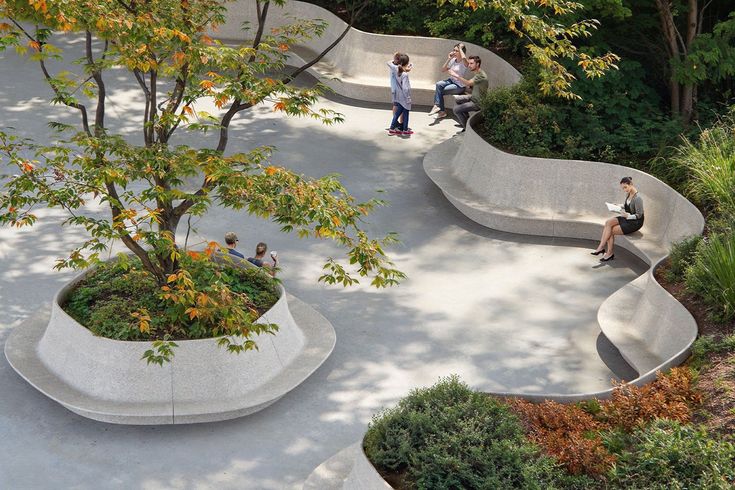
(678, 46)
(163, 44)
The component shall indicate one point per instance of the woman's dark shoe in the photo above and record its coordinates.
(603, 259)
(598, 252)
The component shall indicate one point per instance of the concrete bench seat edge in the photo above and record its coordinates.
(649, 327)
(356, 68)
(106, 380)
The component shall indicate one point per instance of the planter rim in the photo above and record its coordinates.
(187, 406)
(62, 295)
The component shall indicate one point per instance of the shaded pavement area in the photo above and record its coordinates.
(504, 311)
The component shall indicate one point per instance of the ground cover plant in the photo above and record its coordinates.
(669, 454)
(448, 436)
(110, 300)
(586, 437)
(181, 165)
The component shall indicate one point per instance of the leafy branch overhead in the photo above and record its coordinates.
(550, 29)
(166, 48)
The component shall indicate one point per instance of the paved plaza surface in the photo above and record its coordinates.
(506, 312)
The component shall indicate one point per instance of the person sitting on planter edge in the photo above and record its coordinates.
(259, 259)
(231, 242)
(468, 103)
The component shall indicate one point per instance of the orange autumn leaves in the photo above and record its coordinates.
(573, 433)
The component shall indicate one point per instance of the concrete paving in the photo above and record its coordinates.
(504, 311)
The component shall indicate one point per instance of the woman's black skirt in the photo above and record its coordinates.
(629, 225)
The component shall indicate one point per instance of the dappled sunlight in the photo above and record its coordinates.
(505, 312)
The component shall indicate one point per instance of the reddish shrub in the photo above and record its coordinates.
(571, 433)
(566, 432)
(671, 396)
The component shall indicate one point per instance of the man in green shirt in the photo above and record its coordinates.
(468, 103)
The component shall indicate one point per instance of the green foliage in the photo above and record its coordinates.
(448, 436)
(711, 56)
(712, 275)
(165, 47)
(120, 300)
(706, 166)
(682, 255)
(618, 120)
(553, 29)
(707, 345)
(669, 455)
(162, 351)
(484, 27)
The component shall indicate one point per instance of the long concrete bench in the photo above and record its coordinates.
(566, 198)
(355, 68)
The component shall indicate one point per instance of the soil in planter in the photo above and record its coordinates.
(109, 300)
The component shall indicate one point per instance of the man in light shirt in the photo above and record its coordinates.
(456, 66)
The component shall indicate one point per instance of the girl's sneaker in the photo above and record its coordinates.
(395, 131)
(409, 132)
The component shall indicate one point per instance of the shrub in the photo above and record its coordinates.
(708, 165)
(448, 436)
(112, 300)
(681, 256)
(669, 455)
(671, 396)
(569, 433)
(484, 27)
(618, 119)
(712, 275)
(583, 437)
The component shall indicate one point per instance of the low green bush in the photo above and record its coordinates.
(668, 455)
(712, 275)
(618, 120)
(682, 255)
(449, 437)
(110, 299)
(708, 345)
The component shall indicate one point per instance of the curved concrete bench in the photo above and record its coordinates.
(106, 380)
(358, 61)
(349, 469)
(565, 198)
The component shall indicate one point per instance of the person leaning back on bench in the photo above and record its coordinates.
(479, 84)
(631, 220)
(456, 65)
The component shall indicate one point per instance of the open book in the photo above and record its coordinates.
(613, 207)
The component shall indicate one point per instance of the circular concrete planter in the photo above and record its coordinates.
(106, 380)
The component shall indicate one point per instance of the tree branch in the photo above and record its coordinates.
(99, 118)
(49, 79)
(353, 19)
(140, 252)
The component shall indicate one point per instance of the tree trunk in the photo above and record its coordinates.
(681, 96)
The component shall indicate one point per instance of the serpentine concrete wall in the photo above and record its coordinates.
(565, 198)
(106, 379)
(560, 198)
(358, 61)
